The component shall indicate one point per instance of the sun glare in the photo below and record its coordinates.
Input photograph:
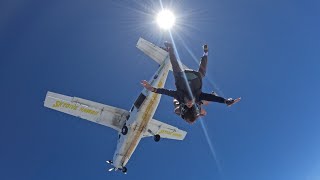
(165, 19)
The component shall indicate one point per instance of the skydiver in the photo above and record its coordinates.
(188, 98)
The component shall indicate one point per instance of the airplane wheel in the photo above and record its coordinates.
(124, 130)
(124, 170)
(156, 138)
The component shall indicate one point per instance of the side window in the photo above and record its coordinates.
(140, 100)
(132, 109)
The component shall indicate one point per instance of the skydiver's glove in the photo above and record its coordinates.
(214, 93)
(229, 101)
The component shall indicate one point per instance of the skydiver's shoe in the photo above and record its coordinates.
(205, 48)
(164, 48)
(167, 44)
(231, 101)
(169, 47)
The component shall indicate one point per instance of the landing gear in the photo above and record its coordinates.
(156, 138)
(124, 130)
(124, 170)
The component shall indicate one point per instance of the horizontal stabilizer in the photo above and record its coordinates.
(95, 112)
(164, 130)
(156, 53)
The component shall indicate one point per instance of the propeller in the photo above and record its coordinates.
(109, 162)
(111, 169)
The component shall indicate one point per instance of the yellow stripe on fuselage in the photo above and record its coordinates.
(145, 120)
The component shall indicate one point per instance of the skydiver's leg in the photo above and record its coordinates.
(203, 62)
(174, 62)
(203, 66)
(177, 71)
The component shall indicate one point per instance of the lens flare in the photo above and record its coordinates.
(166, 19)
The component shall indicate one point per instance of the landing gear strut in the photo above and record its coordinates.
(124, 130)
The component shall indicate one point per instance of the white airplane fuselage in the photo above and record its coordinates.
(141, 113)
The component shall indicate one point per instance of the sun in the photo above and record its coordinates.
(166, 19)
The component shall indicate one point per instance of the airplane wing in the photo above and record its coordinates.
(164, 130)
(154, 52)
(92, 111)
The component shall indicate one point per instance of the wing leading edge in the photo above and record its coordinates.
(92, 111)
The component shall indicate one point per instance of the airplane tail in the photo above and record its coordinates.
(156, 53)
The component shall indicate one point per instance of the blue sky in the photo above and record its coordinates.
(267, 52)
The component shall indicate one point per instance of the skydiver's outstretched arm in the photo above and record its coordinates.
(167, 92)
(211, 97)
(218, 99)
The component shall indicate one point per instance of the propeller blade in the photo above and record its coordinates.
(111, 169)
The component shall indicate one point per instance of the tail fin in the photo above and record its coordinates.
(154, 52)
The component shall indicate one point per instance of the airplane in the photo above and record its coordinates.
(132, 125)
